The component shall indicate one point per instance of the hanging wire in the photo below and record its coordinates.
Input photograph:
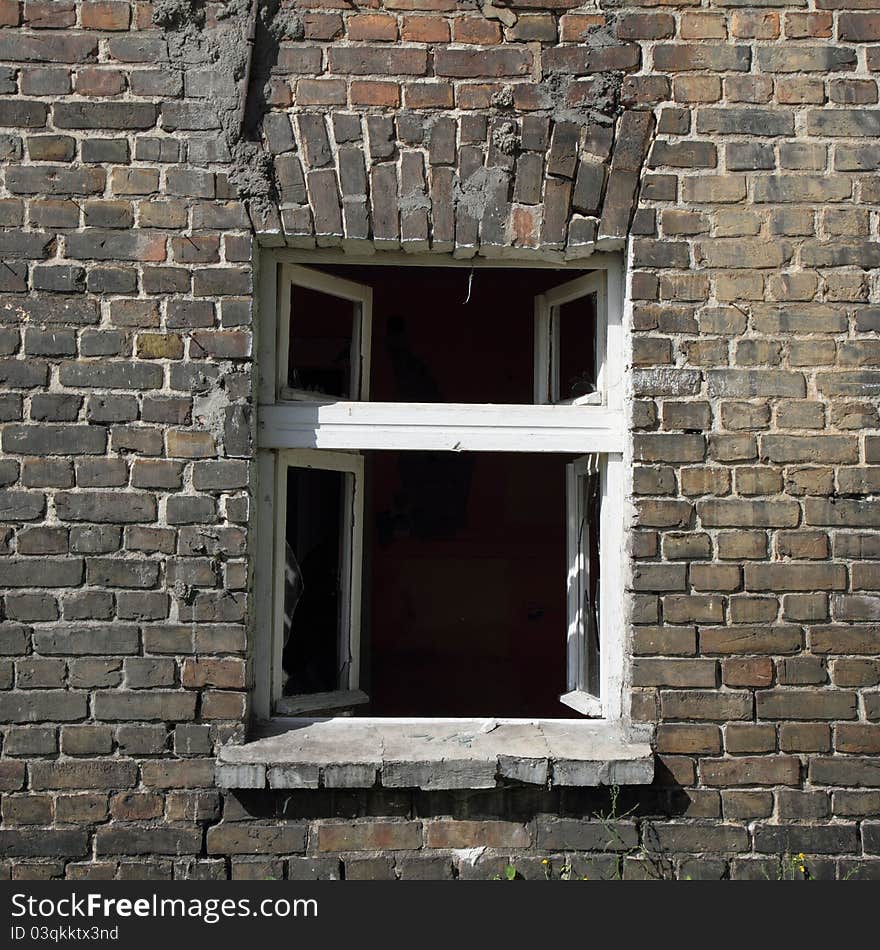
(470, 284)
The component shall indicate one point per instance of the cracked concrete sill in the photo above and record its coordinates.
(435, 754)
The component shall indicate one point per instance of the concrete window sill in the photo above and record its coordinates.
(435, 754)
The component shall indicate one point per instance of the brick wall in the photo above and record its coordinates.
(135, 176)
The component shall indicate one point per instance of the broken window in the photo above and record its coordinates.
(442, 448)
(317, 592)
(324, 340)
(583, 495)
(570, 322)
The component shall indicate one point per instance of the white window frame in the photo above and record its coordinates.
(347, 692)
(297, 426)
(293, 275)
(546, 373)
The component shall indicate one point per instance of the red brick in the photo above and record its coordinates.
(375, 94)
(252, 837)
(323, 26)
(804, 737)
(369, 61)
(218, 704)
(747, 672)
(859, 27)
(189, 444)
(278, 93)
(797, 90)
(425, 95)
(370, 836)
(539, 26)
(425, 29)
(703, 26)
(143, 15)
(105, 16)
(476, 30)
(371, 26)
(49, 14)
(94, 81)
(476, 834)
(675, 770)
(751, 737)
(482, 63)
(575, 25)
(799, 26)
(475, 95)
(12, 774)
(435, 6)
(175, 774)
(10, 12)
(754, 25)
(697, 88)
(646, 26)
(229, 344)
(526, 226)
(136, 806)
(197, 249)
(857, 737)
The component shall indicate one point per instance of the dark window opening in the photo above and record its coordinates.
(577, 349)
(314, 608)
(476, 582)
(466, 571)
(439, 334)
(321, 336)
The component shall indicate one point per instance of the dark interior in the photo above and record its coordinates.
(464, 610)
(440, 334)
(466, 578)
(319, 358)
(577, 350)
(313, 571)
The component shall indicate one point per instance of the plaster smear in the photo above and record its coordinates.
(237, 84)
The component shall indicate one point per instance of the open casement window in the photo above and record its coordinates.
(583, 491)
(437, 476)
(317, 581)
(570, 340)
(324, 342)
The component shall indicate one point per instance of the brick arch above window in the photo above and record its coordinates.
(503, 183)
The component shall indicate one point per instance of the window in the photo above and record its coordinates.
(440, 519)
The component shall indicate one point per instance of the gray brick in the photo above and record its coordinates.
(154, 704)
(95, 538)
(85, 774)
(21, 505)
(111, 374)
(41, 705)
(54, 180)
(87, 639)
(43, 843)
(121, 572)
(41, 572)
(123, 507)
(104, 115)
(54, 440)
(134, 838)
